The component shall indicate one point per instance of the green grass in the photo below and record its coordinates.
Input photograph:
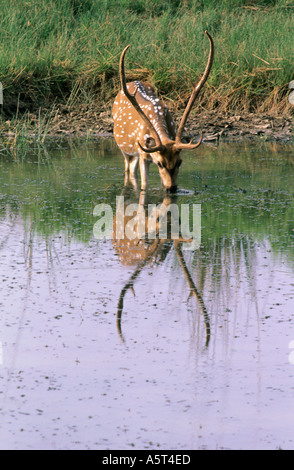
(67, 51)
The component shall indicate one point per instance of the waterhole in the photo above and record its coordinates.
(110, 345)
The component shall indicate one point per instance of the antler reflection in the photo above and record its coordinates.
(143, 251)
(193, 289)
(130, 284)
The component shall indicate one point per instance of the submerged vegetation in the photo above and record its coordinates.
(65, 53)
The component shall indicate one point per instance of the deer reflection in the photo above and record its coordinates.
(147, 246)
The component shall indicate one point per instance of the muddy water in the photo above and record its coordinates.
(100, 349)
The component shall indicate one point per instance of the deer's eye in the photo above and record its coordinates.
(160, 164)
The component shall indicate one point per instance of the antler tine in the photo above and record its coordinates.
(133, 101)
(190, 146)
(158, 148)
(195, 93)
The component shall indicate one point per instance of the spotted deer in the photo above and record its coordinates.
(144, 129)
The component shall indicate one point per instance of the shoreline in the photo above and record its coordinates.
(88, 124)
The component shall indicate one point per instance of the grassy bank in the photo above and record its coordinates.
(66, 51)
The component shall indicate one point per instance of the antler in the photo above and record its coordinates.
(196, 90)
(133, 101)
(195, 93)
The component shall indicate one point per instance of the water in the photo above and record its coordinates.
(103, 350)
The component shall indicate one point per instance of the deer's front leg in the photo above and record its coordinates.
(131, 170)
(131, 164)
(144, 170)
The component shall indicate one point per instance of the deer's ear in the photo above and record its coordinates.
(149, 142)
